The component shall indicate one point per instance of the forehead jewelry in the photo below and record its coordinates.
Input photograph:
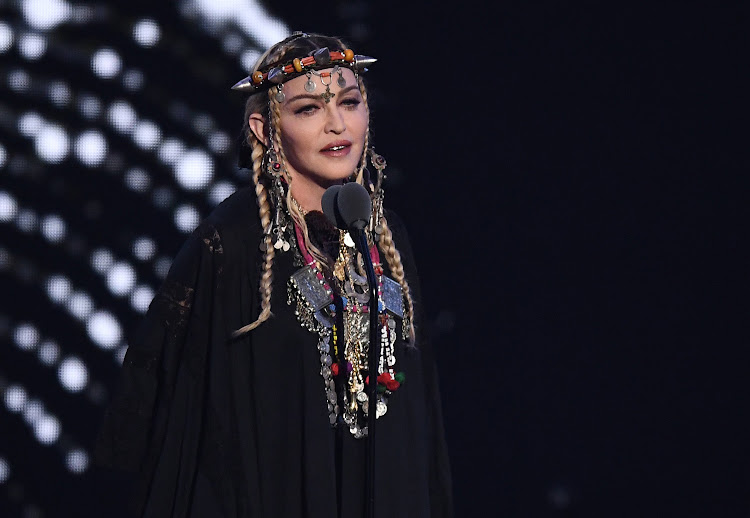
(321, 59)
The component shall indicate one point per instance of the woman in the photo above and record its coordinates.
(242, 396)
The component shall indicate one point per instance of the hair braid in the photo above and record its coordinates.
(393, 257)
(264, 208)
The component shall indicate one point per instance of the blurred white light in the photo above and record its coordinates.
(72, 374)
(104, 330)
(15, 398)
(186, 218)
(171, 150)
(144, 248)
(141, 298)
(47, 429)
(137, 180)
(26, 336)
(58, 288)
(91, 148)
(220, 9)
(33, 410)
(106, 63)
(19, 80)
(122, 116)
(3, 155)
(220, 192)
(194, 170)
(51, 143)
(48, 352)
(53, 228)
(80, 305)
(249, 58)
(121, 279)
(133, 80)
(146, 134)
(89, 106)
(29, 124)
(26, 220)
(102, 260)
(32, 46)
(45, 14)
(8, 207)
(77, 461)
(146, 32)
(59, 93)
(218, 141)
(6, 37)
(4, 471)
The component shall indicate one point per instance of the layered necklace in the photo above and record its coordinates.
(334, 304)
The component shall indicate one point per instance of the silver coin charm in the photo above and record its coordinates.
(310, 86)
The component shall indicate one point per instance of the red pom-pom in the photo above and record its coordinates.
(335, 369)
(392, 385)
(384, 378)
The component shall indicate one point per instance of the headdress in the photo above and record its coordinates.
(278, 73)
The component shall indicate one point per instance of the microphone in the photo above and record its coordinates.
(354, 205)
(329, 203)
(349, 207)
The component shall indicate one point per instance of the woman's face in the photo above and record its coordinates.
(322, 141)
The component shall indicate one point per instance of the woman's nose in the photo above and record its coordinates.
(335, 121)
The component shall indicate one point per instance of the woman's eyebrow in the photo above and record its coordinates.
(316, 97)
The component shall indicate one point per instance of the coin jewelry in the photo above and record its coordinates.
(320, 300)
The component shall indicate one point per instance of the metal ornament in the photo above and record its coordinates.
(340, 81)
(280, 94)
(309, 86)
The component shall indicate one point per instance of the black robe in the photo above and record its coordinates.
(215, 427)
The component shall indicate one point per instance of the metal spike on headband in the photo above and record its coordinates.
(321, 58)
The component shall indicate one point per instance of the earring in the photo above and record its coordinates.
(280, 225)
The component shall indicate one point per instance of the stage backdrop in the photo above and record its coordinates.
(552, 163)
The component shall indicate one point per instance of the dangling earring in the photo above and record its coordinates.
(280, 225)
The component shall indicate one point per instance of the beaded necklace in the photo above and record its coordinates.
(318, 306)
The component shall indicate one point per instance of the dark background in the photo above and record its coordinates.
(572, 183)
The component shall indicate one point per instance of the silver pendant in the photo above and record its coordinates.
(310, 86)
(341, 81)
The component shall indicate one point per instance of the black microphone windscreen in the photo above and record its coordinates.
(354, 205)
(329, 204)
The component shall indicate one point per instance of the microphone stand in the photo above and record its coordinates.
(360, 240)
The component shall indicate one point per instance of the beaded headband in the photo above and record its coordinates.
(320, 59)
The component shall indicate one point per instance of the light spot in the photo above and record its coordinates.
(146, 32)
(32, 46)
(186, 218)
(73, 374)
(106, 63)
(121, 279)
(53, 228)
(52, 144)
(104, 330)
(91, 148)
(194, 170)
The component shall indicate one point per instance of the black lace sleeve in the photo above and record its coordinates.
(134, 422)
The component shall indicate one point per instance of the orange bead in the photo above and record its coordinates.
(257, 77)
(348, 55)
(297, 64)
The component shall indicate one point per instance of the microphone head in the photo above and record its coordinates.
(329, 203)
(354, 205)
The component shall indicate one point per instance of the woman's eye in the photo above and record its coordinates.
(351, 103)
(307, 109)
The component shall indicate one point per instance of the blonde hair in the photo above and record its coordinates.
(266, 103)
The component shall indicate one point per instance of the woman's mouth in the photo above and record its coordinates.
(337, 149)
